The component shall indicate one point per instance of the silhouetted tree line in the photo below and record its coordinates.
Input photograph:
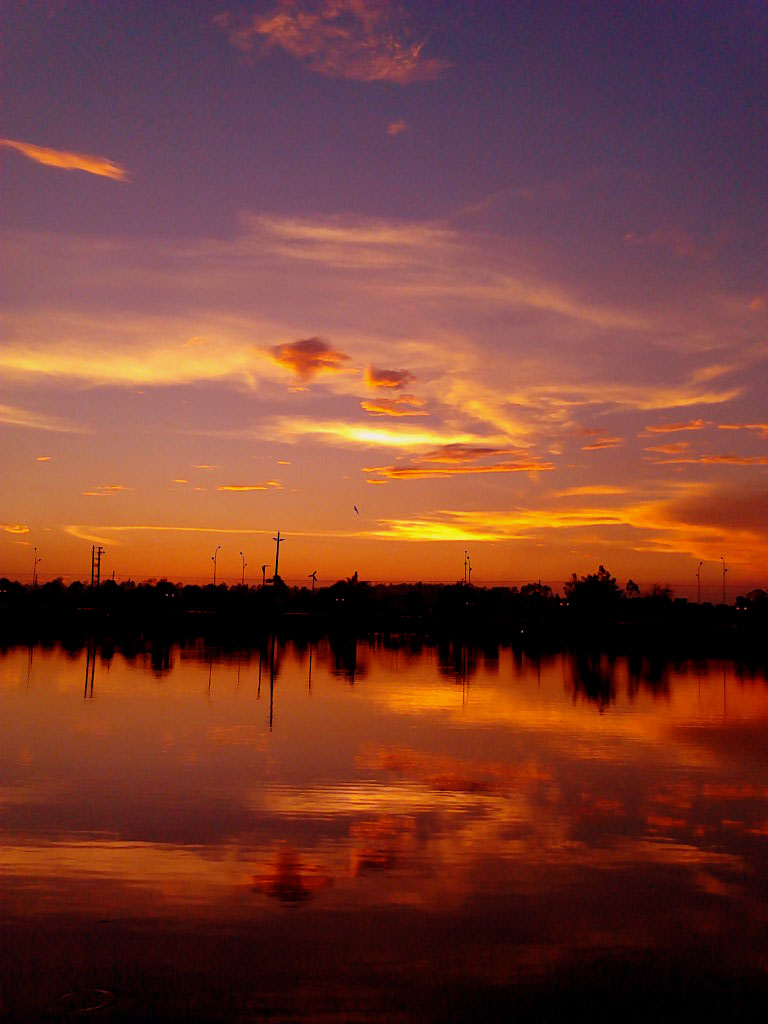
(593, 608)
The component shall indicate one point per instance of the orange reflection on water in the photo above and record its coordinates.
(290, 879)
(446, 773)
(498, 794)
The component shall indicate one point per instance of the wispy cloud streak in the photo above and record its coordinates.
(98, 165)
(459, 460)
(239, 488)
(16, 417)
(403, 405)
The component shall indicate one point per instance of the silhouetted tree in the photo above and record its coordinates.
(598, 590)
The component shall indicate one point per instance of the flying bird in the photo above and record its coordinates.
(356, 509)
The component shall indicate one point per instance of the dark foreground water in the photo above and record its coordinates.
(365, 834)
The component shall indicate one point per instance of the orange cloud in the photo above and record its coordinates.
(696, 525)
(457, 453)
(249, 487)
(68, 161)
(432, 472)
(378, 378)
(397, 128)
(43, 458)
(730, 460)
(308, 357)
(665, 428)
(604, 442)
(591, 489)
(403, 405)
(105, 490)
(144, 349)
(339, 431)
(520, 524)
(353, 39)
(761, 428)
(14, 528)
(457, 459)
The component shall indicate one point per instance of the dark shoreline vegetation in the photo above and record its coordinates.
(594, 612)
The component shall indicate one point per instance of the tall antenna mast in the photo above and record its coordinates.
(278, 541)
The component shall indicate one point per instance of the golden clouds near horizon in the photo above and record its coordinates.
(403, 405)
(423, 353)
(250, 487)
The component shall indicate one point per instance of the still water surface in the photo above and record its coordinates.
(373, 833)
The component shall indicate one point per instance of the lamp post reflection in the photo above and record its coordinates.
(90, 667)
(272, 681)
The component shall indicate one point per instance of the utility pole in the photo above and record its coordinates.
(698, 583)
(278, 541)
(242, 579)
(96, 553)
(34, 572)
(214, 556)
(724, 572)
(466, 560)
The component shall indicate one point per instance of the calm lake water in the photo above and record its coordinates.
(368, 833)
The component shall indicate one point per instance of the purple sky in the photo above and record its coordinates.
(505, 261)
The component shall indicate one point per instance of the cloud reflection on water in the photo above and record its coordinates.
(404, 790)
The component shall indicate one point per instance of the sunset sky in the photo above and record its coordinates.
(495, 274)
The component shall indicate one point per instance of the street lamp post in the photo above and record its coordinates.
(724, 572)
(698, 583)
(264, 574)
(278, 541)
(34, 571)
(242, 578)
(214, 556)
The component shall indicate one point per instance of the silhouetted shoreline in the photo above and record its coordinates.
(594, 612)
